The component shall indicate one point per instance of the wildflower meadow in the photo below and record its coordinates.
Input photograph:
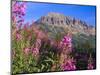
(33, 51)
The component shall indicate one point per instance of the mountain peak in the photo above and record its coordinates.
(56, 14)
(66, 22)
(53, 14)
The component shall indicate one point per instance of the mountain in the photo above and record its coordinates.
(57, 25)
(66, 23)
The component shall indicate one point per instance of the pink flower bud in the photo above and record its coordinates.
(26, 50)
(18, 36)
(35, 51)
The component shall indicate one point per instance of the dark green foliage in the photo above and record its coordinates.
(83, 46)
(48, 57)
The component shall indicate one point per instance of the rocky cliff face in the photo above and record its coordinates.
(67, 23)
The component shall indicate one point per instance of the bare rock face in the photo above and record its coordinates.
(60, 20)
(55, 19)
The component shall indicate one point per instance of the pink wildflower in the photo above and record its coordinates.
(18, 36)
(18, 11)
(69, 64)
(66, 42)
(26, 50)
(90, 66)
(38, 43)
(90, 63)
(35, 51)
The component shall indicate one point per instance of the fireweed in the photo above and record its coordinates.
(28, 42)
(90, 63)
(18, 36)
(35, 50)
(66, 62)
(18, 11)
(66, 42)
(68, 65)
(26, 51)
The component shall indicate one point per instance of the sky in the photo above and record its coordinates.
(85, 13)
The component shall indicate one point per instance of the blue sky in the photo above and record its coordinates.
(35, 10)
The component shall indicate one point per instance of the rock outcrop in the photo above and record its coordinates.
(71, 24)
